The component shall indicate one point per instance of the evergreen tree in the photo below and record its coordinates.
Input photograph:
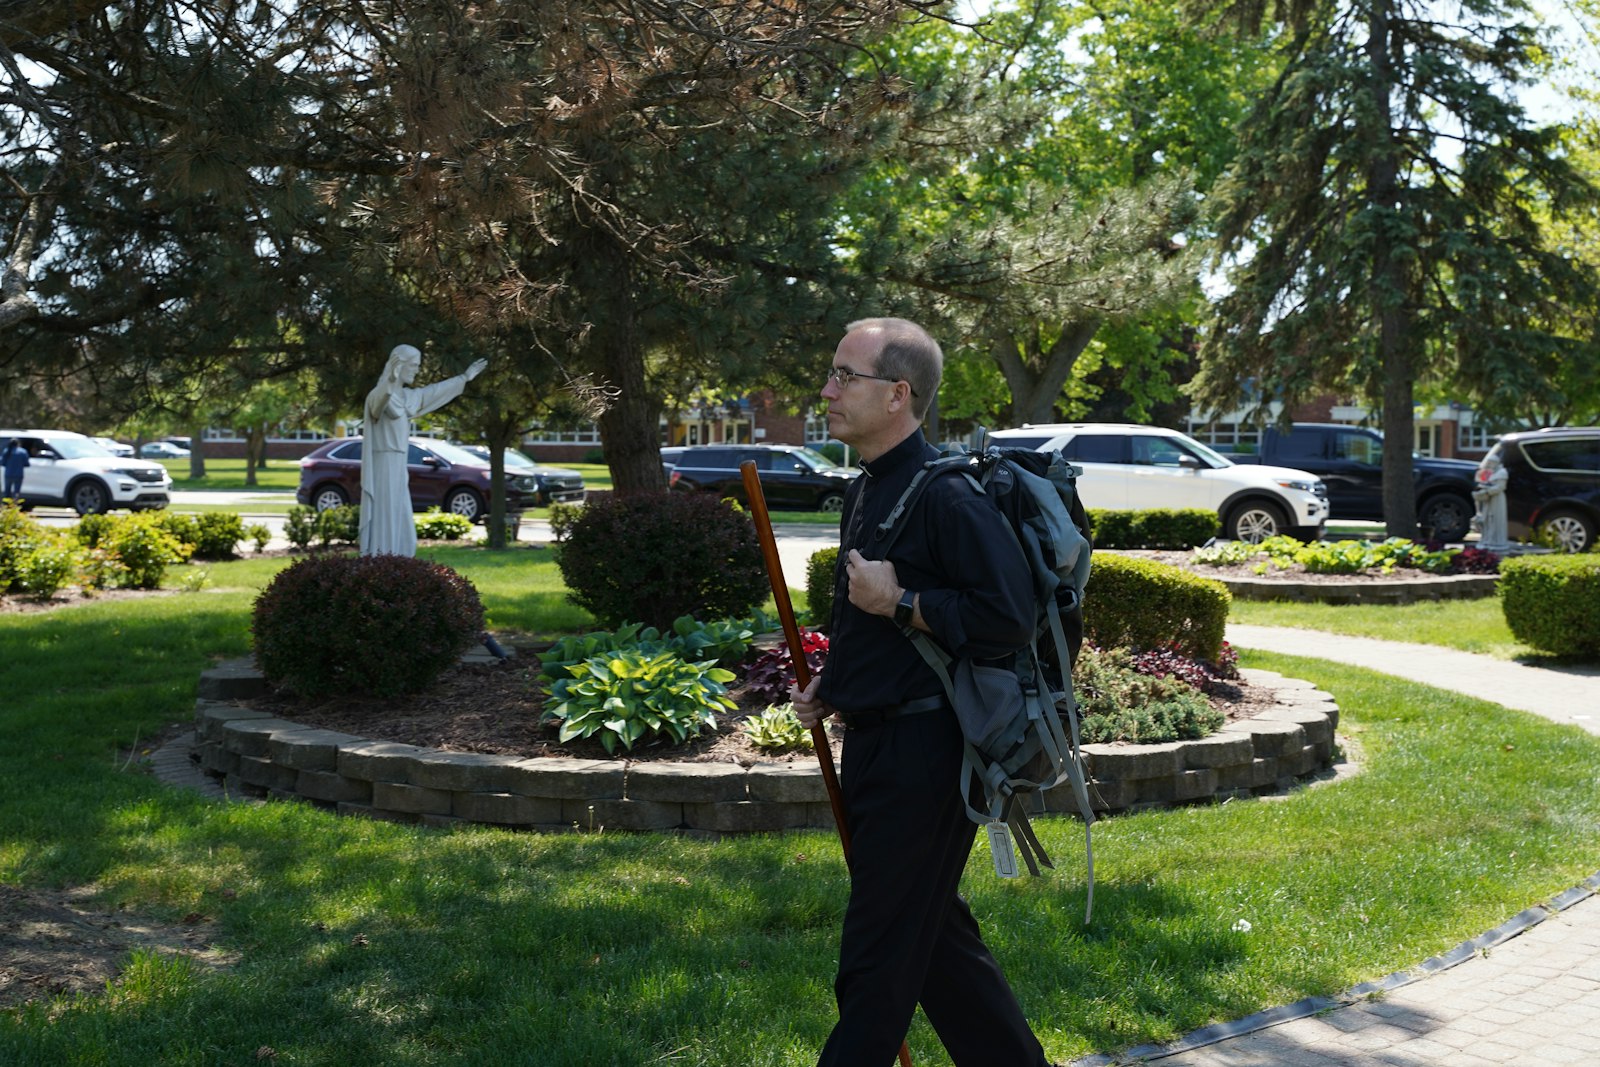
(1383, 215)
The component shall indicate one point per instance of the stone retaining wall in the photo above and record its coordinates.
(259, 755)
(1389, 591)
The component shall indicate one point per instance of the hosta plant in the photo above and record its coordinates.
(776, 729)
(631, 695)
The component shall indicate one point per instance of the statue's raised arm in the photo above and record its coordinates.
(386, 523)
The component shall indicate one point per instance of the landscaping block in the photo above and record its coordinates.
(1273, 738)
(788, 783)
(378, 761)
(1122, 762)
(471, 772)
(308, 749)
(264, 774)
(214, 759)
(395, 796)
(1313, 722)
(1218, 750)
(617, 814)
(569, 778)
(688, 783)
(210, 716)
(331, 788)
(507, 809)
(250, 737)
(235, 679)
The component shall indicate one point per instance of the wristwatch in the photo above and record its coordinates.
(905, 609)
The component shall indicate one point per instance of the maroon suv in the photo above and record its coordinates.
(441, 475)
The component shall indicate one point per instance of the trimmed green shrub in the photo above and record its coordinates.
(375, 625)
(339, 525)
(300, 527)
(819, 586)
(139, 549)
(92, 529)
(1140, 604)
(217, 535)
(1118, 702)
(436, 525)
(260, 535)
(1152, 528)
(1553, 602)
(49, 566)
(19, 536)
(656, 556)
(633, 695)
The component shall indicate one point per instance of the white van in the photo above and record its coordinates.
(1137, 468)
(69, 470)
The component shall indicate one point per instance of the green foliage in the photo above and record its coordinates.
(378, 625)
(91, 529)
(300, 527)
(633, 695)
(1331, 557)
(777, 728)
(139, 549)
(1141, 604)
(562, 516)
(260, 535)
(722, 642)
(48, 566)
(819, 585)
(1553, 602)
(1119, 703)
(19, 537)
(1152, 528)
(339, 525)
(217, 534)
(437, 525)
(656, 556)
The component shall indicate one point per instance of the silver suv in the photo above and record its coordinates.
(1138, 468)
(69, 470)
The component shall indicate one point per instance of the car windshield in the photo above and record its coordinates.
(816, 460)
(76, 448)
(453, 454)
(1215, 459)
(517, 459)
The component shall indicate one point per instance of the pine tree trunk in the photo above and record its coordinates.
(630, 426)
(197, 452)
(1390, 306)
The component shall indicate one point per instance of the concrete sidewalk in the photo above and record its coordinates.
(1526, 992)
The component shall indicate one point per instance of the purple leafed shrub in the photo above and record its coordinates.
(770, 674)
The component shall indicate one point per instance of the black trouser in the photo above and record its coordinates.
(908, 937)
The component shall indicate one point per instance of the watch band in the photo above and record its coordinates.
(904, 610)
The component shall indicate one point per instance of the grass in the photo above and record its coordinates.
(1468, 625)
(366, 942)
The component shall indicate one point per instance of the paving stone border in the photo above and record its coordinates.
(1391, 591)
(256, 754)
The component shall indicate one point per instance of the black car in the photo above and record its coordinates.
(1552, 485)
(791, 476)
(552, 485)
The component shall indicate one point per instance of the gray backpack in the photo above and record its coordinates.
(1018, 715)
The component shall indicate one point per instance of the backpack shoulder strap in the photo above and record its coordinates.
(888, 531)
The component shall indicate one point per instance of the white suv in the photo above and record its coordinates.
(1136, 468)
(70, 470)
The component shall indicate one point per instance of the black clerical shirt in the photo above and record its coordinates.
(956, 551)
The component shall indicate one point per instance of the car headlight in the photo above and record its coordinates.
(1300, 484)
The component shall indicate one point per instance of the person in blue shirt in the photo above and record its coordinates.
(958, 573)
(13, 460)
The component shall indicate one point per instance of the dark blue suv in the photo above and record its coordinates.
(791, 476)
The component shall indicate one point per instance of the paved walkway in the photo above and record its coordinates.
(1525, 993)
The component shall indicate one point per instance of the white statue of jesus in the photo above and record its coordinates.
(1490, 495)
(386, 522)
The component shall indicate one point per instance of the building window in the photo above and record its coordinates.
(1474, 438)
(1427, 439)
(816, 429)
(588, 434)
(1227, 436)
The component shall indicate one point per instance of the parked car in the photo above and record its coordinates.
(69, 470)
(1552, 485)
(1136, 468)
(791, 476)
(116, 448)
(553, 485)
(162, 450)
(1349, 460)
(442, 475)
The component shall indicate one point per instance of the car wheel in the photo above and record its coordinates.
(1570, 531)
(90, 497)
(831, 503)
(1255, 521)
(329, 496)
(464, 502)
(1449, 517)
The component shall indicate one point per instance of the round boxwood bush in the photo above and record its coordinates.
(1552, 602)
(819, 586)
(652, 557)
(365, 625)
(1142, 604)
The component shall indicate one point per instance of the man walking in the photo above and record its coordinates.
(12, 462)
(957, 573)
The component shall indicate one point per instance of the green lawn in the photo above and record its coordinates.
(361, 942)
(1468, 625)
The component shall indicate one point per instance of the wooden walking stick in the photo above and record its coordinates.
(802, 669)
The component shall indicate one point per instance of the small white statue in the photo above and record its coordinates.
(386, 522)
(1491, 497)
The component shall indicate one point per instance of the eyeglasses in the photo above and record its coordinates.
(843, 376)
